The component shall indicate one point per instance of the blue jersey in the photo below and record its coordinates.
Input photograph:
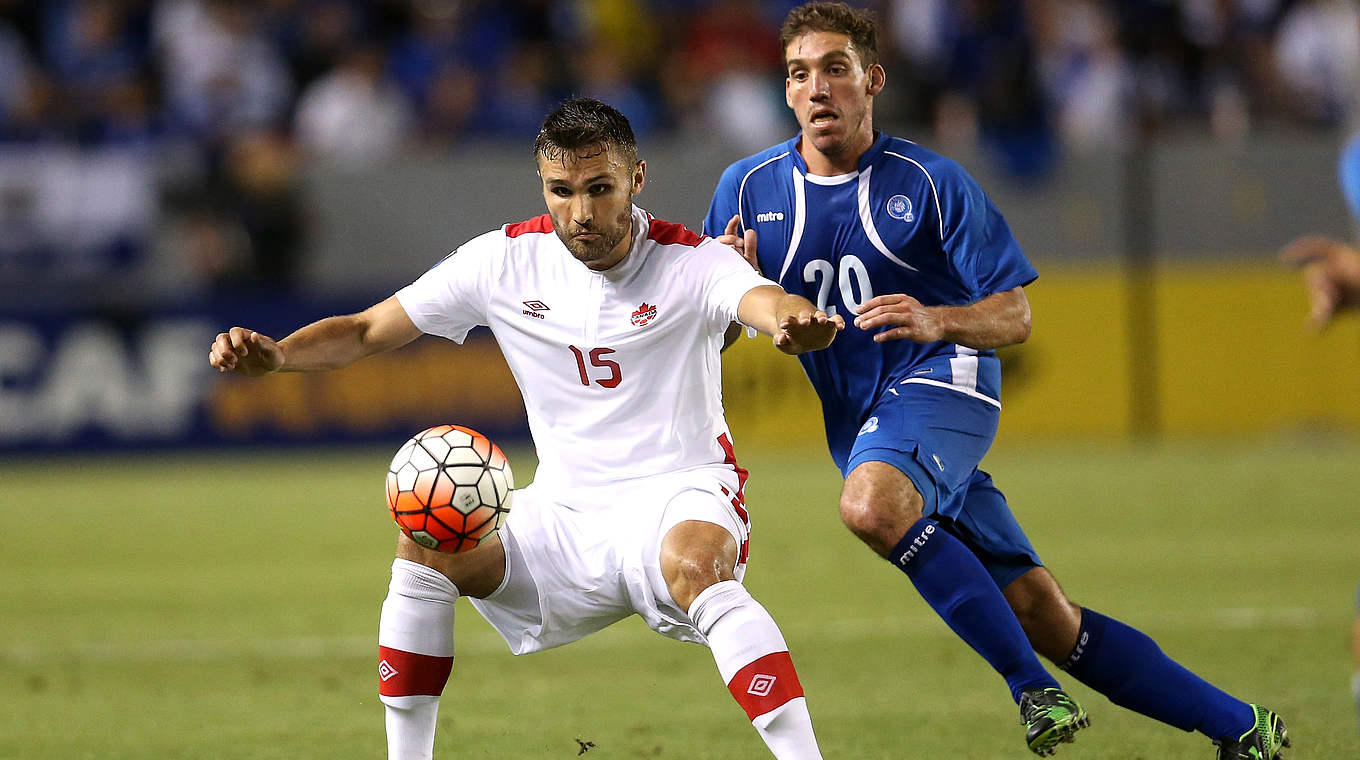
(907, 221)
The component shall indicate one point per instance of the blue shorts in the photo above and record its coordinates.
(937, 437)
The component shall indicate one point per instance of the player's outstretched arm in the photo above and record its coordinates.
(329, 343)
(1001, 319)
(796, 325)
(1331, 275)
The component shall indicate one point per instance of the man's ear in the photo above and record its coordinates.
(639, 176)
(877, 78)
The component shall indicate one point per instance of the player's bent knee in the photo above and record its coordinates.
(880, 516)
(476, 572)
(694, 556)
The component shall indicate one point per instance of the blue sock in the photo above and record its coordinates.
(1128, 667)
(956, 585)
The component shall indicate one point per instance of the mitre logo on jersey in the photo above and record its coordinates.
(535, 306)
(899, 207)
(386, 671)
(770, 216)
(761, 684)
(644, 314)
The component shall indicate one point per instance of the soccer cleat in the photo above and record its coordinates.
(1052, 717)
(1262, 741)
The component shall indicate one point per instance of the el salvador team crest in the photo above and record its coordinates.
(899, 207)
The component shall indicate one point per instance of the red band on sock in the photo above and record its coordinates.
(405, 674)
(765, 684)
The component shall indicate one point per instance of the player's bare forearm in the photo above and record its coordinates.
(329, 343)
(795, 323)
(1001, 319)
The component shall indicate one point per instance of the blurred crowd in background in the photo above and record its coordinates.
(115, 114)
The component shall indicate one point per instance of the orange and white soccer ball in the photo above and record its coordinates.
(449, 488)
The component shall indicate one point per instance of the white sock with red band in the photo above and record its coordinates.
(415, 649)
(754, 663)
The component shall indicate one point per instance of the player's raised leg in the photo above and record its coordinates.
(415, 636)
(1130, 669)
(883, 507)
(698, 560)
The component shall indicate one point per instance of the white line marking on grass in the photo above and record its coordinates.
(484, 642)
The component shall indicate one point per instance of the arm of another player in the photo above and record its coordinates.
(796, 325)
(1001, 319)
(329, 343)
(1331, 275)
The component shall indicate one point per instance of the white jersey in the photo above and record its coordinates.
(619, 369)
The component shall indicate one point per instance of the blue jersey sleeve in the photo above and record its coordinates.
(1350, 176)
(984, 253)
(725, 202)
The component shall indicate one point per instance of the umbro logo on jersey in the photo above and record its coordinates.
(535, 306)
(386, 671)
(770, 216)
(644, 314)
(899, 207)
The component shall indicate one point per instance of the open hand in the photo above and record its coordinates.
(908, 318)
(807, 329)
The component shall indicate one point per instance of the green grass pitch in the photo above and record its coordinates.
(225, 606)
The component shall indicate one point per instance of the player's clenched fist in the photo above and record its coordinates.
(245, 352)
(906, 316)
(1331, 274)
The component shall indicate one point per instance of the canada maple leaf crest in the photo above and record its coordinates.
(644, 314)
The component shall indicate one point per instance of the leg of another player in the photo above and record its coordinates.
(698, 560)
(415, 636)
(1121, 662)
(881, 506)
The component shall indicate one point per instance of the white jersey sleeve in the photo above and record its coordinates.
(452, 297)
(725, 279)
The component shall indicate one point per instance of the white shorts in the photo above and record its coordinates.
(579, 561)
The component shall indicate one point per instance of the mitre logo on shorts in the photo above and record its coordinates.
(644, 314)
(386, 671)
(761, 684)
(534, 307)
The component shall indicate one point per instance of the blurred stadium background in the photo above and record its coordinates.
(172, 167)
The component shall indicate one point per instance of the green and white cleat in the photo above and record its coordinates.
(1263, 741)
(1052, 717)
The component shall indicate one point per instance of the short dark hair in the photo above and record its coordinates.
(581, 125)
(856, 23)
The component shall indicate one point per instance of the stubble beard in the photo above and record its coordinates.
(588, 252)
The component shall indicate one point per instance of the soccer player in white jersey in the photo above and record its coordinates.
(905, 242)
(611, 322)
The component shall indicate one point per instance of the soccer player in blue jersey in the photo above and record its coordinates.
(904, 241)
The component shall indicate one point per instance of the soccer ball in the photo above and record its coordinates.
(449, 488)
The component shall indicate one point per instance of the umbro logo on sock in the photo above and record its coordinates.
(761, 684)
(386, 671)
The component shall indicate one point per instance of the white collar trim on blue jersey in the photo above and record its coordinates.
(839, 179)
